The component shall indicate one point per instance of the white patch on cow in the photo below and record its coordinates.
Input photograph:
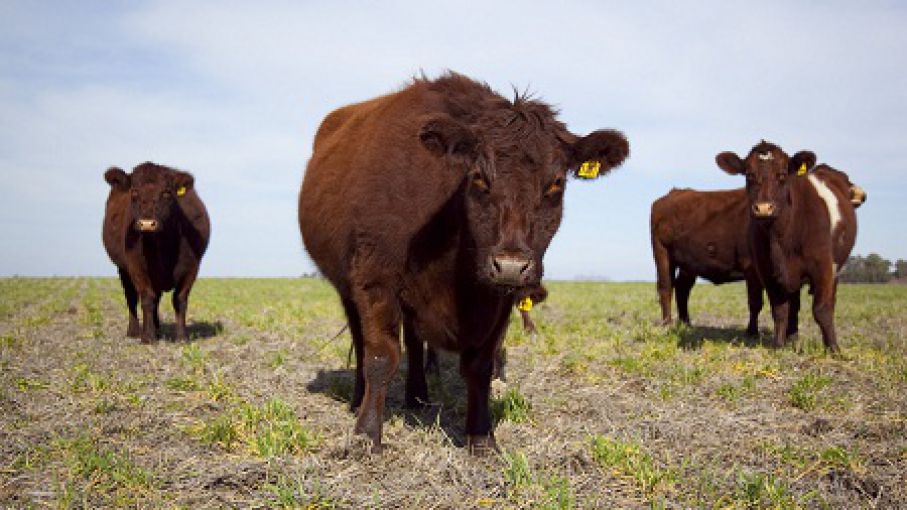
(765, 155)
(831, 201)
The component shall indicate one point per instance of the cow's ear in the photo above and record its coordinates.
(800, 159)
(182, 182)
(442, 135)
(597, 153)
(730, 163)
(117, 178)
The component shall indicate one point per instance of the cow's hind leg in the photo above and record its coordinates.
(133, 330)
(824, 310)
(380, 314)
(665, 280)
(682, 287)
(416, 387)
(355, 324)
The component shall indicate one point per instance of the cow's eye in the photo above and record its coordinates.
(555, 187)
(479, 182)
(165, 194)
(781, 177)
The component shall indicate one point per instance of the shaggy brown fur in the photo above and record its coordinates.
(790, 235)
(427, 209)
(156, 230)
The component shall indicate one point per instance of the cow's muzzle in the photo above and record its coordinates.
(857, 196)
(764, 210)
(146, 225)
(510, 269)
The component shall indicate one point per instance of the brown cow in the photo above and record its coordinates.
(703, 234)
(428, 208)
(156, 230)
(800, 230)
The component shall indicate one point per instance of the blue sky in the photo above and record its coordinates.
(233, 92)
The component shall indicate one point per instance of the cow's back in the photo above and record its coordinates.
(705, 231)
(371, 182)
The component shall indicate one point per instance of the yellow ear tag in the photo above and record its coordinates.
(525, 304)
(180, 191)
(589, 169)
(802, 170)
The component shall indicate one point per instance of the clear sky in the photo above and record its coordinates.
(234, 91)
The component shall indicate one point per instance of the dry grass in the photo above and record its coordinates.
(602, 409)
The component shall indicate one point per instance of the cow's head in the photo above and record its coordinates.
(768, 171)
(516, 160)
(152, 190)
(838, 179)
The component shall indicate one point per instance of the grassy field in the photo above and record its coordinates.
(601, 409)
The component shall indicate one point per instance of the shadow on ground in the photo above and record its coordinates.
(196, 330)
(693, 337)
(445, 389)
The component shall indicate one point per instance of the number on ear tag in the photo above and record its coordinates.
(589, 169)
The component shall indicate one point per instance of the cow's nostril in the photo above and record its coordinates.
(526, 266)
(496, 265)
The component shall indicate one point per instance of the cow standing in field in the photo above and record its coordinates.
(704, 234)
(429, 209)
(156, 230)
(800, 230)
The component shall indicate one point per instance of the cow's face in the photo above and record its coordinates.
(768, 171)
(838, 179)
(152, 192)
(513, 198)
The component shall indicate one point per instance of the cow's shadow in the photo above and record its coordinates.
(447, 391)
(694, 337)
(197, 330)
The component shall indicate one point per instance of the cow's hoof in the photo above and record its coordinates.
(482, 445)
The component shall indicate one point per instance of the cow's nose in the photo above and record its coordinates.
(763, 209)
(147, 225)
(857, 196)
(510, 269)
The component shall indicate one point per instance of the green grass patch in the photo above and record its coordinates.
(97, 476)
(512, 406)
(269, 430)
(804, 393)
(628, 459)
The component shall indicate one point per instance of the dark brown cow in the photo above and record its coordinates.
(801, 229)
(429, 208)
(156, 230)
(704, 234)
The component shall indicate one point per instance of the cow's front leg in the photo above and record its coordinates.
(476, 367)
(380, 315)
(780, 310)
(754, 302)
(149, 310)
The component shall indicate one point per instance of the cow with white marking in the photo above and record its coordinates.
(802, 231)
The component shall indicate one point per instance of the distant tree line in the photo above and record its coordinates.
(872, 268)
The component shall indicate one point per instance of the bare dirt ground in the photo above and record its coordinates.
(601, 409)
